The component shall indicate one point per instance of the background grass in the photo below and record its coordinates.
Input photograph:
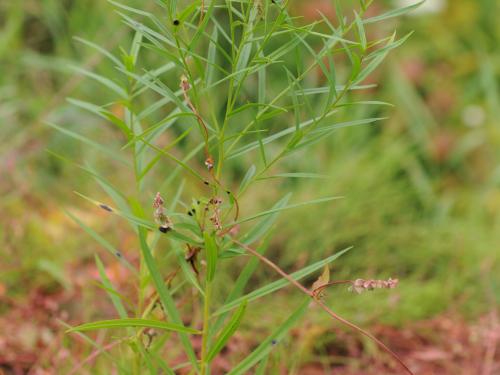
(422, 197)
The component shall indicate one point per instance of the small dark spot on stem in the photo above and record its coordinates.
(118, 254)
(164, 229)
(274, 342)
(190, 213)
(176, 22)
(228, 192)
(206, 182)
(106, 207)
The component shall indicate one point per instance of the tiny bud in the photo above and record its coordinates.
(176, 22)
(184, 83)
(158, 201)
(209, 163)
(233, 232)
(164, 229)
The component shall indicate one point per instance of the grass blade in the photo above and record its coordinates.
(278, 209)
(267, 345)
(227, 332)
(277, 285)
(133, 322)
(104, 149)
(211, 249)
(165, 297)
(114, 297)
(102, 241)
(393, 13)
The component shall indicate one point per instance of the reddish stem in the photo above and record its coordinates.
(321, 304)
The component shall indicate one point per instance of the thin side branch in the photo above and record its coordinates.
(209, 160)
(318, 302)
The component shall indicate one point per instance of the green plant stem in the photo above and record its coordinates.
(205, 334)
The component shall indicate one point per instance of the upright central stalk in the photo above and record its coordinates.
(206, 318)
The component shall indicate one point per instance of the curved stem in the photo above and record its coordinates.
(317, 301)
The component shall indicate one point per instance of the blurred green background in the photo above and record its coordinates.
(422, 197)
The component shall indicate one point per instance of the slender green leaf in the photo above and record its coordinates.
(113, 295)
(104, 149)
(211, 253)
(267, 345)
(165, 296)
(247, 178)
(212, 55)
(273, 210)
(102, 241)
(113, 86)
(392, 13)
(101, 112)
(133, 322)
(361, 31)
(263, 226)
(295, 175)
(227, 332)
(277, 285)
(186, 269)
(100, 49)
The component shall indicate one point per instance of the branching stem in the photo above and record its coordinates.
(321, 304)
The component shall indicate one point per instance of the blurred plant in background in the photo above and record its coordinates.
(421, 189)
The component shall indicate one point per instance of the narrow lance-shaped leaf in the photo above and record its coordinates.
(264, 213)
(102, 241)
(165, 297)
(361, 32)
(111, 85)
(262, 227)
(211, 254)
(227, 332)
(393, 13)
(247, 178)
(246, 46)
(133, 322)
(261, 230)
(212, 55)
(261, 368)
(277, 285)
(261, 96)
(268, 344)
(97, 346)
(379, 57)
(103, 113)
(186, 270)
(98, 48)
(295, 175)
(114, 297)
(140, 222)
(104, 149)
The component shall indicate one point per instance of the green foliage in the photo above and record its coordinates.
(269, 116)
(226, 109)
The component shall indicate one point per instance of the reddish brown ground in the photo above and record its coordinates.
(31, 338)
